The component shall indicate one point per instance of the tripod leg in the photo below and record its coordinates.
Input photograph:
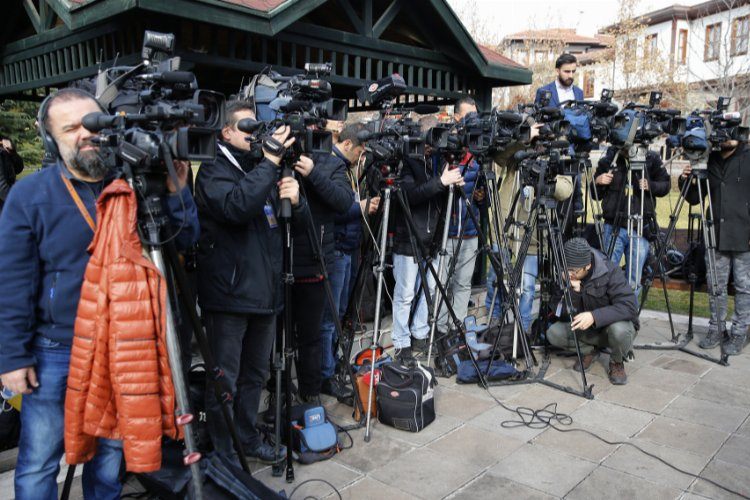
(441, 268)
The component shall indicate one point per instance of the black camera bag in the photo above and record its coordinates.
(405, 396)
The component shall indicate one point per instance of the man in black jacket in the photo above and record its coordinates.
(239, 272)
(729, 186)
(10, 166)
(328, 194)
(611, 183)
(425, 183)
(604, 313)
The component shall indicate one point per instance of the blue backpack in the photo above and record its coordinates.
(499, 370)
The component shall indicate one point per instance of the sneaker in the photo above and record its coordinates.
(312, 399)
(711, 340)
(332, 387)
(404, 355)
(265, 453)
(588, 360)
(617, 373)
(419, 344)
(734, 344)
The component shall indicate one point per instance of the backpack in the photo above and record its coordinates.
(498, 370)
(406, 396)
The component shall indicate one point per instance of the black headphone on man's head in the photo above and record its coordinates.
(51, 151)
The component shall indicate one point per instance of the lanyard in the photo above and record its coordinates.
(230, 157)
(81, 207)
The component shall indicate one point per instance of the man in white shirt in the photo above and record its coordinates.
(562, 89)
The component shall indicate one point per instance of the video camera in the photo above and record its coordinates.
(489, 133)
(155, 105)
(641, 124)
(590, 120)
(303, 102)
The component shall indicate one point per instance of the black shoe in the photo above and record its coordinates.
(711, 340)
(313, 400)
(265, 453)
(734, 344)
(419, 344)
(404, 355)
(332, 387)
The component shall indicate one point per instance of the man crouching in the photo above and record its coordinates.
(609, 314)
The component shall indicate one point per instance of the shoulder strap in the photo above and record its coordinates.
(77, 199)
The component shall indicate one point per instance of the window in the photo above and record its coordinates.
(540, 56)
(740, 35)
(713, 42)
(682, 43)
(650, 48)
(588, 84)
(523, 57)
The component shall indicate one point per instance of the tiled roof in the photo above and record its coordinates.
(494, 57)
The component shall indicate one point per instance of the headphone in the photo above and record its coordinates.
(51, 151)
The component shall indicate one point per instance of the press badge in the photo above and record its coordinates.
(270, 216)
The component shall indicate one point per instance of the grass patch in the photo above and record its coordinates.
(679, 301)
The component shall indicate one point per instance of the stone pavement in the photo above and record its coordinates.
(688, 411)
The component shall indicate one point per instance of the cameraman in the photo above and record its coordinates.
(329, 195)
(510, 184)
(239, 272)
(611, 184)
(45, 231)
(10, 166)
(459, 286)
(729, 185)
(606, 314)
(347, 234)
(425, 186)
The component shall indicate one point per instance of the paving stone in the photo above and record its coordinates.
(333, 472)
(543, 469)
(605, 483)
(671, 363)
(461, 406)
(727, 375)
(571, 378)
(642, 357)
(638, 397)
(725, 394)
(744, 429)
(366, 457)
(611, 417)
(426, 473)
(492, 420)
(441, 426)
(663, 380)
(539, 396)
(628, 459)
(732, 476)
(736, 451)
(694, 438)
(722, 417)
(693, 496)
(471, 444)
(489, 486)
(368, 487)
(580, 444)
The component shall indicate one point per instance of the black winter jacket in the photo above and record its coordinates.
(328, 194)
(239, 253)
(729, 182)
(10, 166)
(659, 185)
(425, 193)
(605, 293)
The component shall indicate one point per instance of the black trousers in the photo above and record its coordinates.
(308, 301)
(241, 345)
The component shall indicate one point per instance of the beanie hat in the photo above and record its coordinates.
(577, 253)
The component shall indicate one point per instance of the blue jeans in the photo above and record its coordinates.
(491, 277)
(338, 276)
(42, 428)
(622, 247)
(406, 272)
(526, 301)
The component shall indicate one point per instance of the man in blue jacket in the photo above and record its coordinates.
(562, 89)
(45, 230)
(347, 233)
(461, 226)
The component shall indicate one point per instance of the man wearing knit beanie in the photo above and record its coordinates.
(604, 311)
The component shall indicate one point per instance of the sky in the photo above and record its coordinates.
(587, 16)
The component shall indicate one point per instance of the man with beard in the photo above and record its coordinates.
(728, 186)
(562, 89)
(45, 230)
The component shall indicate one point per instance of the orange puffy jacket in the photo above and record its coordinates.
(119, 385)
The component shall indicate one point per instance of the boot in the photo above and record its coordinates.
(419, 344)
(617, 373)
(332, 387)
(711, 340)
(734, 344)
(404, 355)
(588, 360)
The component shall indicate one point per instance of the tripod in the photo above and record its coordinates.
(698, 175)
